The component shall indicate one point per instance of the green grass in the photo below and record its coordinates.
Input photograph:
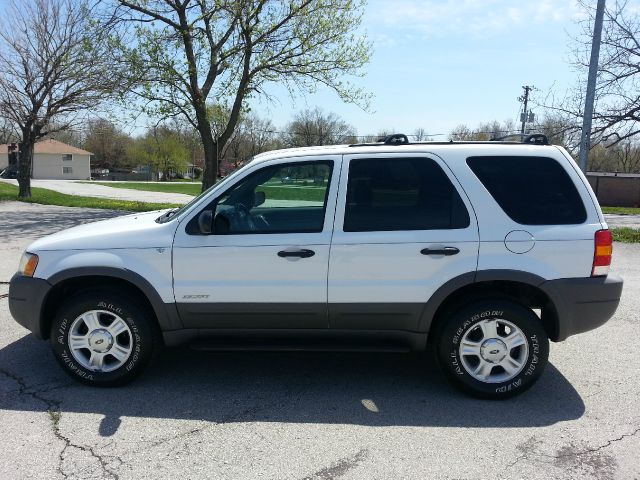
(621, 210)
(50, 197)
(169, 187)
(626, 235)
(273, 191)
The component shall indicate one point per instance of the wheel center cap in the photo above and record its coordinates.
(100, 340)
(493, 350)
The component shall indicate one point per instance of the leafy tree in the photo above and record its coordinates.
(162, 149)
(54, 61)
(189, 53)
(314, 127)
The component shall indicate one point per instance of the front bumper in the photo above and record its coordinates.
(26, 299)
(583, 304)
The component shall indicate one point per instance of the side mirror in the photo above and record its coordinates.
(258, 198)
(205, 222)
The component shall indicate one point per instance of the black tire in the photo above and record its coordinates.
(464, 320)
(143, 336)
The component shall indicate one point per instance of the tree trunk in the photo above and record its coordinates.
(25, 161)
(210, 173)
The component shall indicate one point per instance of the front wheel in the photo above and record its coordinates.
(103, 338)
(493, 349)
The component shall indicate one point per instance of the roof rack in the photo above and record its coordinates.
(398, 139)
(534, 138)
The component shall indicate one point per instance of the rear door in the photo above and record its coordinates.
(404, 227)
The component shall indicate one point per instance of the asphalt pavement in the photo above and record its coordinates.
(320, 416)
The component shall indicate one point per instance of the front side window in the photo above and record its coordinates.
(285, 198)
(530, 190)
(67, 169)
(67, 157)
(386, 194)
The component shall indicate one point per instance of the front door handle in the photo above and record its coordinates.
(303, 253)
(448, 251)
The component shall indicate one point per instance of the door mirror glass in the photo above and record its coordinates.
(205, 222)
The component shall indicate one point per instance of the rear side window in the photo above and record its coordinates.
(531, 190)
(386, 194)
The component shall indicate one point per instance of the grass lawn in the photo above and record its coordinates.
(273, 191)
(621, 210)
(169, 187)
(49, 197)
(626, 235)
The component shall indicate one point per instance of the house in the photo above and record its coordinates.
(55, 160)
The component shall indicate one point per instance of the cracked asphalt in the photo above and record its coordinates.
(317, 416)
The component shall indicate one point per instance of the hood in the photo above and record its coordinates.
(139, 230)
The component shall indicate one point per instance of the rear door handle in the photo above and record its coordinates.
(303, 253)
(448, 251)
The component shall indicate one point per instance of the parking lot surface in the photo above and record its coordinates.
(320, 416)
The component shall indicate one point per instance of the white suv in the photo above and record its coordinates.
(480, 251)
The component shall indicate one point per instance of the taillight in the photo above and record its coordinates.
(602, 253)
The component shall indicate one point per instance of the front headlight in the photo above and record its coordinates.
(28, 264)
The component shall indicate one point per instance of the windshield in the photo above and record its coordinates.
(176, 212)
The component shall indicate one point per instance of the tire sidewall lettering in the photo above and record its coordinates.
(60, 335)
(527, 375)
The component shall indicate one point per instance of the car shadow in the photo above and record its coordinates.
(373, 389)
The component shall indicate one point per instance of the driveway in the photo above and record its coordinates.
(614, 220)
(73, 187)
(319, 416)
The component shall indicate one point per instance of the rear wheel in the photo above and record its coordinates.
(493, 349)
(103, 338)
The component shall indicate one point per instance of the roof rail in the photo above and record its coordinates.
(397, 139)
(534, 138)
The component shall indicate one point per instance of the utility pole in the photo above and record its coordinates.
(524, 117)
(585, 139)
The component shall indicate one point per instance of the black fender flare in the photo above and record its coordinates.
(166, 313)
(469, 278)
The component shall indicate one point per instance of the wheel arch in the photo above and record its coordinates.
(69, 281)
(521, 287)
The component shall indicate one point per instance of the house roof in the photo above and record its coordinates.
(53, 147)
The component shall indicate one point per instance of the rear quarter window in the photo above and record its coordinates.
(530, 190)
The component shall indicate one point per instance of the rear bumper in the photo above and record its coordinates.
(583, 304)
(26, 298)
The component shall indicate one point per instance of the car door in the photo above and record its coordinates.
(404, 227)
(264, 264)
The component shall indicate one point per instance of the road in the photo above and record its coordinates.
(314, 416)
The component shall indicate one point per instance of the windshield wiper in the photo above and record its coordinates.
(166, 216)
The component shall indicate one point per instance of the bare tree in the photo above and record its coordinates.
(8, 132)
(315, 127)
(484, 131)
(53, 58)
(627, 156)
(616, 115)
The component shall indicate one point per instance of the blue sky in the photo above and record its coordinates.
(437, 64)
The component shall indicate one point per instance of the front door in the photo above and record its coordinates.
(264, 265)
(403, 228)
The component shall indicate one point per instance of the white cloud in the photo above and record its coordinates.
(483, 18)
